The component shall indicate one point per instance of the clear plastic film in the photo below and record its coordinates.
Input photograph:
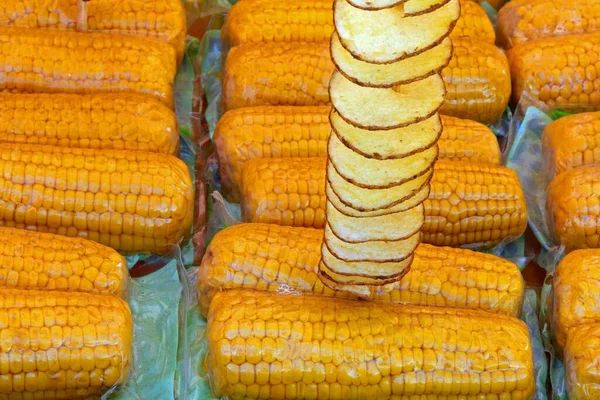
(522, 21)
(231, 380)
(164, 20)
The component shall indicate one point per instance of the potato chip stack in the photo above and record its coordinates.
(386, 92)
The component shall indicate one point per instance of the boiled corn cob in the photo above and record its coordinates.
(129, 200)
(477, 78)
(264, 21)
(469, 203)
(571, 142)
(524, 20)
(286, 131)
(576, 286)
(157, 19)
(477, 81)
(268, 346)
(97, 121)
(573, 204)
(43, 261)
(582, 357)
(276, 258)
(34, 61)
(63, 346)
(559, 71)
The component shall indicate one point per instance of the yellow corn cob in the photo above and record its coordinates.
(469, 203)
(573, 204)
(474, 23)
(129, 200)
(264, 21)
(576, 285)
(268, 346)
(279, 258)
(297, 74)
(34, 61)
(571, 142)
(558, 71)
(477, 81)
(581, 362)
(287, 131)
(43, 261)
(524, 20)
(157, 19)
(97, 121)
(63, 346)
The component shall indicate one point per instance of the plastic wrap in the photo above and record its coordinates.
(160, 19)
(337, 326)
(522, 21)
(64, 63)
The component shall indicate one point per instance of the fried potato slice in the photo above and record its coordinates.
(396, 226)
(388, 35)
(386, 108)
(418, 7)
(376, 250)
(388, 144)
(364, 291)
(408, 70)
(376, 174)
(355, 201)
(376, 4)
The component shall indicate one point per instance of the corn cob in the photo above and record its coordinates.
(281, 131)
(559, 71)
(35, 61)
(43, 261)
(477, 81)
(265, 346)
(474, 23)
(477, 78)
(475, 204)
(62, 346)
(276, 258)
(571, 142)
(581, 362)
(524, 20)
(129, 200)
(573, 208)
(157, 19)
(98, 121)
(576, 285)
(265, 21)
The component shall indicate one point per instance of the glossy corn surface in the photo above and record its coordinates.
(582, 357)
(576, 290)
(96, 121)
(62, 346)
(288, 132)
(38, 61)
(524, 20)
(43, 261)
(132, 201)
(474, 23)
(573, 205)
(571, 142)
(560, 71)
(469, 203)
(477, 81)
(268, 346)
(267, 257)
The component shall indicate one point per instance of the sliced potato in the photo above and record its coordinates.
(404, 71)
(388, 35)
(364, 272)
(418, 7)
(376, 4)
(355, 201)
(351, 280)
(387, 144)
(376, 174)
(387, 108)
(363, 291)
(376, 250)
(400, 225)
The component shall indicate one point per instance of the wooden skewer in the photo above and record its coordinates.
(82, 15)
